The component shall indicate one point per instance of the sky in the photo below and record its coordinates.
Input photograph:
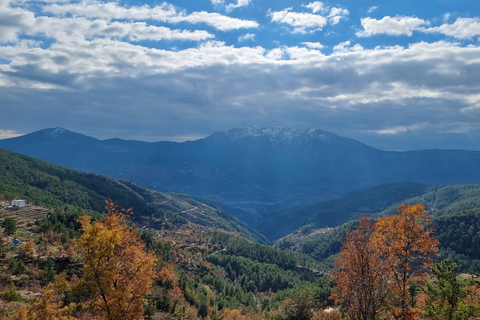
(396, 75)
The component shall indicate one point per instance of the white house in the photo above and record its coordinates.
(19, 203)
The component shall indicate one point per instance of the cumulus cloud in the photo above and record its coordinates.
(337, 14)
(313, 45)
(238, 4)
(16, 20)
(216, 20)
(346, 47)
(233, 5)
(397, 26)
(134, 31)
(13, 21)
(317, 6)
(247, 37)
(462, 28)
(164, 13)
(302, 22)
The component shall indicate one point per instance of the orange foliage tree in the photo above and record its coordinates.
(362, 280)
(408, 248)
(118, 272)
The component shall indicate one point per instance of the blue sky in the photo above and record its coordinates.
(397, 75)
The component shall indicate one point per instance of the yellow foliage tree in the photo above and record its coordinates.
(46, 308)
(233, 314)
(29, 248)
(118, 272)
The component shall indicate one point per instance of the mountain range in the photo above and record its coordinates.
(250, 169)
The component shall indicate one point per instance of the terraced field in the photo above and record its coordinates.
(25, 217)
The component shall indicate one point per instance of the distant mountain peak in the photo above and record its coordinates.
(273, 135)
(54, 135)
(55, 132)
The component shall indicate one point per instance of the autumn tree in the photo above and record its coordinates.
(362, 280)
(29, 248)
(118, 272)
(45, 308)
(408, 247)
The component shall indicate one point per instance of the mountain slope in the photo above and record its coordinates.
(458, 234)
(279, 221)
(378, 201)
(252, 168)
(52, 185)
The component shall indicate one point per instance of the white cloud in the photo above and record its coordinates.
(16, 20)
(446, 17)
(304, 54)
(248, 36)
(163, 13)
(239, 4)
(233, 5)
(13, 21)
(397, 26)
(313, 45)
(342, 46)
(134, 31)
(336, 14)
(316, 6)
(371, 9)
(218, 21)
(303, 22)
(112, 10)
(462, 28)
(300, 21)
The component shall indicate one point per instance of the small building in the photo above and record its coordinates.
(19, 203)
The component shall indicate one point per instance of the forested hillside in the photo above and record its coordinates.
(458, 235)
(374, 202)
(54, 186)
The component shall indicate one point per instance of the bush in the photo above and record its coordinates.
(10, 225)
(17, 267)
(12, 295)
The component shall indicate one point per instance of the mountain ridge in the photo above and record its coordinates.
(249, 169)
